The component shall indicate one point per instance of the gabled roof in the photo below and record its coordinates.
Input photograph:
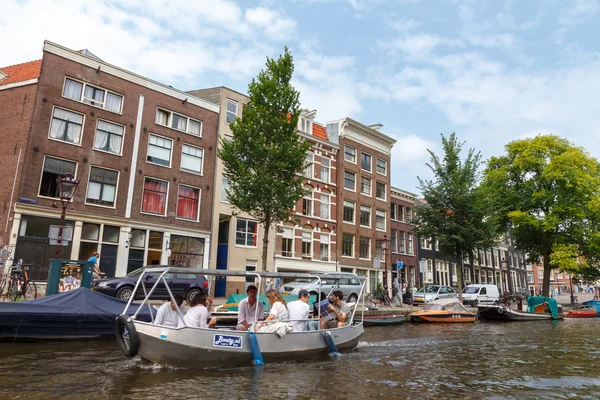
(20, 72)
(319, 131)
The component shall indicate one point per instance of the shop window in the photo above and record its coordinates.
(186, 251)
(90, 232)
(111, 234)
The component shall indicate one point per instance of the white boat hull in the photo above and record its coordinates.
(199, 347)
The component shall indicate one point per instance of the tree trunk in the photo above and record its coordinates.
(547, 273)
(265, 247)
(459, 276)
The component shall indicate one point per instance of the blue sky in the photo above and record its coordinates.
(491, 71)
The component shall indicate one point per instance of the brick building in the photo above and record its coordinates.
(144, 154)
(403, 245)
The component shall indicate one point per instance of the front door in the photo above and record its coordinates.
(108, 260)
(221, 281)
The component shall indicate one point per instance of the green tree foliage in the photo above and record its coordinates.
(456, 211)
(546, 189)
(266, 155)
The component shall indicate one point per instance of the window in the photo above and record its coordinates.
(381, 166)
(365, 185)
(188, 202)
(54, 169)
(393, 211)
(191, 158)
(365, 216)
(425, 243)
(159, 150)
(402, 246)
(540, 274)
(306, 244)
(350, 154)
(380, 220)
(154, 200)
(400, 213)
(365, 247)
(349, 180)
(324, 247)
(66, 126)
(246, 232)
(365, 161)
(325, 163)
(224, 189)
(380, 191)
(307, 207)
(394, 241)
(109, 137)
(287, 242)
(102, 187)
(348, 214)
(305, 125)
(177, 121)
(308, 169)
(232, 108)
(324, 206)
(92, 95)
(409, 214)
(347, 245)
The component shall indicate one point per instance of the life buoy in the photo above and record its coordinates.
(127, 337)
(500, 310)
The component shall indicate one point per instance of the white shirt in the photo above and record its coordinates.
(196, 317)
(278, 310)
(246, 312)
(167, 316)
(298, 310)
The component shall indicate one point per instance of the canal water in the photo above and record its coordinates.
(525, 360)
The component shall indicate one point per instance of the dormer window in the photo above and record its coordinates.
(305, 125)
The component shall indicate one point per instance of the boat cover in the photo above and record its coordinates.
(82, 304)
(593, 303)
(453, 305)
(533, 301)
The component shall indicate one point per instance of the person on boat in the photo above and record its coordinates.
(340, 309)
(167, 314)
(314, 324)
(199, 313)
(247, 309)
(298, 311)
(278, 310)
(96, 273)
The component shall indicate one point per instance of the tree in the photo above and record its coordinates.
(456, 211)
(263, 160)
(546, 190)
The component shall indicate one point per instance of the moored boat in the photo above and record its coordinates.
(382, 320)
(593, 303)
(443, 310)
(539, 308)
(193, 347)
(583, 312)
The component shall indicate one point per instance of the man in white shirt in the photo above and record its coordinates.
(167, 313)
(298, 311)
(198, 314)
(247, 309)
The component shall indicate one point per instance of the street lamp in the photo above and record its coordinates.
(66, 191)
(385, 243)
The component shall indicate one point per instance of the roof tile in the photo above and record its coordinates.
(319, 132)
(21, 72)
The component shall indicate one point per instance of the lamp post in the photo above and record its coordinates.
(66, 191)
(385, 243)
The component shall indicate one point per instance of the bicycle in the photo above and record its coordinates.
(20, 287)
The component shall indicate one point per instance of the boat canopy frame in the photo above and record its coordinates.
(220, 272)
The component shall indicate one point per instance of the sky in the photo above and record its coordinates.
(491, 71)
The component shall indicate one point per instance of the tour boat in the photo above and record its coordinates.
(224, 347)
(443, 310)
(539, 308)
(583, 312)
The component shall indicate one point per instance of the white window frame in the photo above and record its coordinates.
(410, 244)
(170, 120)
(385, 162)
(290, 239)
(326, 167)
(308, 172)
(42, 175)
(246, 240)
(82, 97)
(87, 188)
(360, 257)
(166, 197)
(355, 175)
(370, 170)
(360, 216)
(353, 245)
(326, 203)
(312, 205)
(52, 120)
(177, 203)
(223, 192)
(201, 173)
(384, 220)
(394, 241)
(384, 198)
(402, 239)
(170, 152)
(321, 244)
(231, 101)
(355, 151)
(353, 212)
(120, 153)
(307, 255)
(370, 194)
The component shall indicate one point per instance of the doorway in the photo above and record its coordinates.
(108, 260)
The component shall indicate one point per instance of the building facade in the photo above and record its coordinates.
(403, 245)
(143, 152)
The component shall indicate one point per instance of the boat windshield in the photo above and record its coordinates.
(471, 290)
(433, 307)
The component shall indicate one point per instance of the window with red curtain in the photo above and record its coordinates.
(155, 196)
(188, 199)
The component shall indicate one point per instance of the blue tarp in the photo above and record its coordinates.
(593, 303)
(80, 305)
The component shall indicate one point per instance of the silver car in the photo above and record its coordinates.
(434, 292)
(350, 286)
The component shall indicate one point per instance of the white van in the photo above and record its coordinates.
(477, 294)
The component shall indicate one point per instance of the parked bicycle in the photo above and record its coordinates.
(18, 285)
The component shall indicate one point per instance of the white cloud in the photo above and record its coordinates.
(404, 25)
(419, 46)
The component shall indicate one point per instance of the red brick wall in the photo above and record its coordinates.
(16, 107)
(54, 70)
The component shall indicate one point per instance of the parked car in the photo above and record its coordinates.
(189, 285)
(350, 286)
(481, 294)
(433, 292)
